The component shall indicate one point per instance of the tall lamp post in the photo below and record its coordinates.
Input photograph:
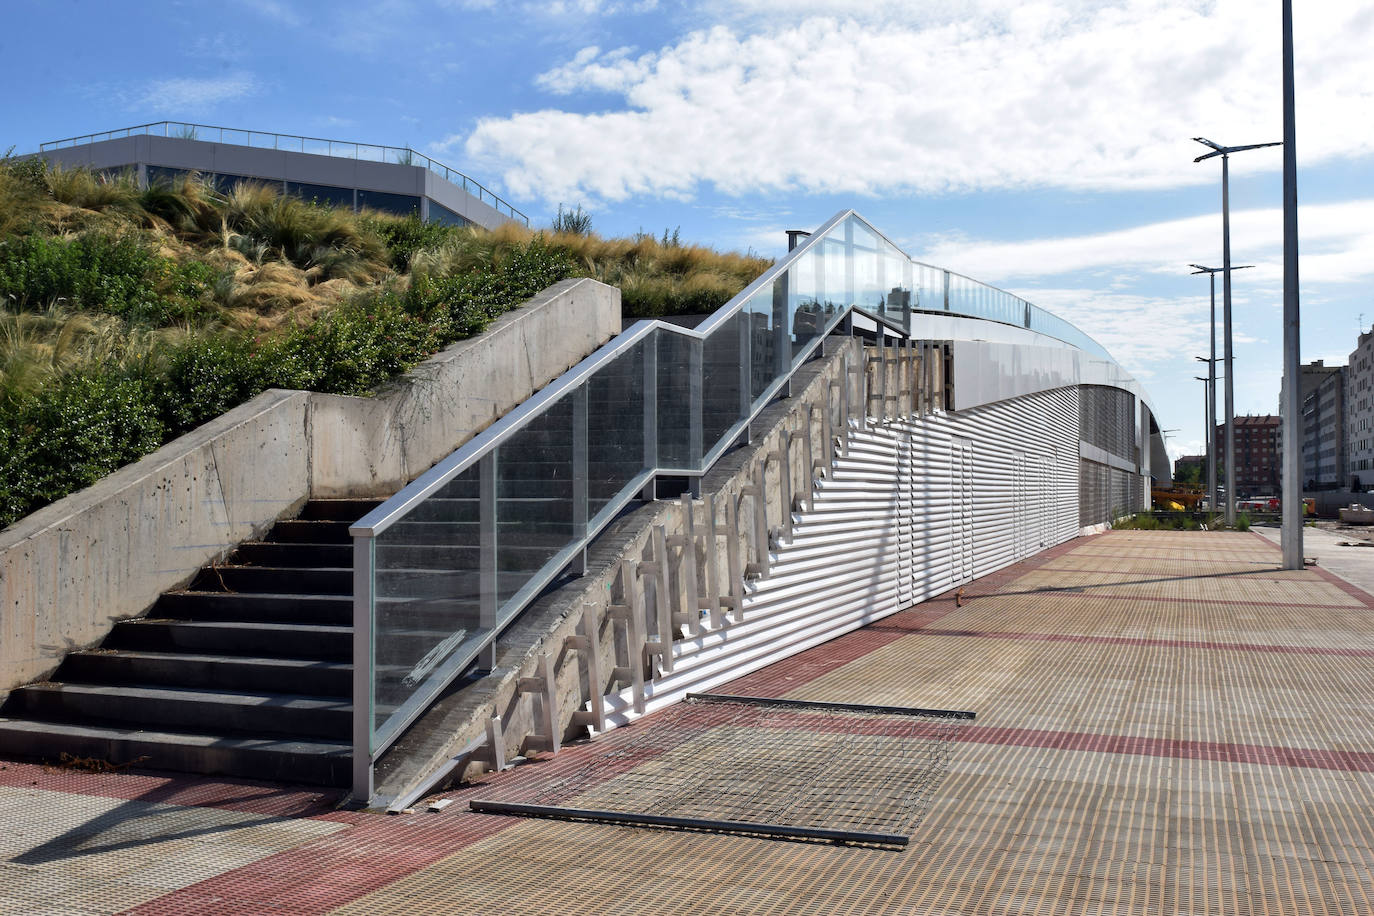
(1209, 404)
(1209, 411)
(1225, 153)
(1211, 361)
(1292, 359)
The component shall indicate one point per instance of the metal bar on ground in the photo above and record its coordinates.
(488, 806)
(838, 707)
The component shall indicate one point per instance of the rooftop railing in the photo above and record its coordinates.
(442, 567)
(398, 155)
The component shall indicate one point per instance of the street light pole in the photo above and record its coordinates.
(1209, 405)
(1210, 418)
(1225, 153)
(1212, 372)
(1292, 359)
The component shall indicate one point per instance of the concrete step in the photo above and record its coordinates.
(208, 672)
(172, 709)
(294, 555)
(337, 510)
(274, 759)
(242, 638)
(331, 610)
(275, 580)
(309, 531)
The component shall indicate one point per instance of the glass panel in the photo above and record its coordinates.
(321, 194)
(723, 374)
(225, 183)
(676, 377)
(534, 497)
(763, 343)
(162, 175)
(441, 214)
(615, 420)
(868, 285)
(401, 204)
(427, 590)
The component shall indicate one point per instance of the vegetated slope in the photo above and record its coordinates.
(129, 316)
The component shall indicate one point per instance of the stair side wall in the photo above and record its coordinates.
(374, 446)
(69, 571)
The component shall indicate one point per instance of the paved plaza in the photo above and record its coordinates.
(1167, 723)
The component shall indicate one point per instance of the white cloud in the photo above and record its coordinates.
(615, 71)
(1139, 331)
(1336, 246)
(565, 8)
(973, 94)
(187, 96)
(277, 11)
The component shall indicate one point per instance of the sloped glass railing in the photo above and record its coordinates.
(447, 563)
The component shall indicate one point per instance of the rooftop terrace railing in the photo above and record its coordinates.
(346, 149)
(441, 568)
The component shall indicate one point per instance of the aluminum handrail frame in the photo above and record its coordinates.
(430, 163)
(366, 529)
(385, 515)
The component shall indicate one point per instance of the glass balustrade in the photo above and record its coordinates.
(461, 551)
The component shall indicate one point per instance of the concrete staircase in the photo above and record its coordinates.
(247, 672)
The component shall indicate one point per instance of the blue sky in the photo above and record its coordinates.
(1039, 145)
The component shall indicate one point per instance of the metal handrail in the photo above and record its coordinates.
(369, 740)
(401, 155)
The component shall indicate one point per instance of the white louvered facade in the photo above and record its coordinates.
(911, 509)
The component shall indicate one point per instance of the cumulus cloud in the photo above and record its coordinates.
(562, 8)
(188, 95)
(1142, 332)
(1336, 246)
(827, 97)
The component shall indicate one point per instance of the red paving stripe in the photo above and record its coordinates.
(196, 792)
(1143, 641)
(1269, 755)
(1349, 588)
(329, 872)
(1064, 593)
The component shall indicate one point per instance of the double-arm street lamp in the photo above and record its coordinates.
(1291, 408)
(1225, 153)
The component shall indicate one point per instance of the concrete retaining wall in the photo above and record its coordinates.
(72, 569)
(373, 446)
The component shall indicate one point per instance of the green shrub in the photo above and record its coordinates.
(95, 271)
(205, 377)
(355, 347)
(1243, 521)
(405, 235)
(71, 433)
